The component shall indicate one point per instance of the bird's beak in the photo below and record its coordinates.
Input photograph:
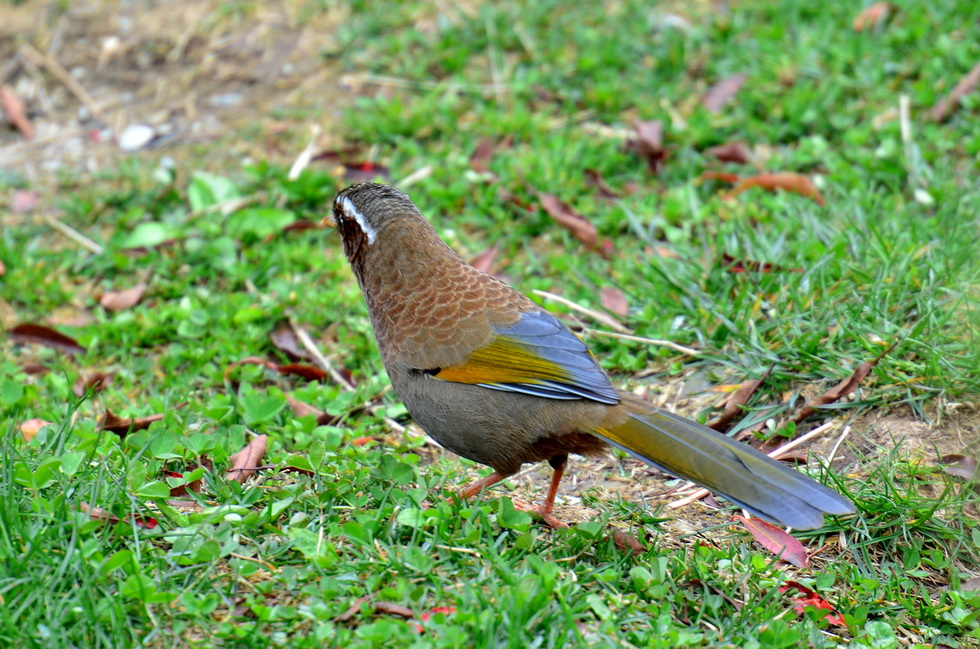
(329, 222)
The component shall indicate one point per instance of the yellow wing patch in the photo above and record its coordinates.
(504, 361)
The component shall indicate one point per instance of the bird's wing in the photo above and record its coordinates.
(539, 356)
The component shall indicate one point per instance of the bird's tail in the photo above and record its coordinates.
(737, 471)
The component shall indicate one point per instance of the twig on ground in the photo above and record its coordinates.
(74, 235)
(51, 65)
(598, 316)
(647, 341)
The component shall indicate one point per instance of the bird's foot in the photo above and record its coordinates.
(543, 512)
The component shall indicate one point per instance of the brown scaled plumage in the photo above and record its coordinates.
(493, 377)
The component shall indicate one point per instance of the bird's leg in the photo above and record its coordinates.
(557, 463)
(481, 484)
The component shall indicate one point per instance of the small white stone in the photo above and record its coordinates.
(135, 137)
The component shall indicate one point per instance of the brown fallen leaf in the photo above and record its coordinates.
(194, 486)
(960, 466)
(649, 143)
(308, 372)
(245, 462)
(34, 334)
(733, 265)
(738, 398)
(15, 111)
(481, 156)
(627, 542)
(124, 299)
(389, 608)
(594, 179)
(945, 106)
(31, 427)
(123, 425)
(731, 152)
(776, 541)
(284, 339)
(661, 250)
(785, 180)
(99, 514)
(94, 382)
(486, 260)
(722, 92)
(251, 360)
(842, 389)
(872, 16)
(723, 176)
(614, 300)
(580, 227)
(303, 409)
(352, 610)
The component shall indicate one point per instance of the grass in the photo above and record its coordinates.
(275, 562)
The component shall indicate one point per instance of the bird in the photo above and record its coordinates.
(493, 377)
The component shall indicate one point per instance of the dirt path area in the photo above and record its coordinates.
(214, 80)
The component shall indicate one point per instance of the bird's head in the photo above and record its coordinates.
(363, 214)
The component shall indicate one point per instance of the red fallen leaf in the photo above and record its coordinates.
(594, 179)
(960, 466)
(425, 617)
(23, 201)
(486, 260)
(308, 372)
(360, 172)
(284, 339)
(361, 441)
(580, 227)
(31, 427)
(722, 92)
(15, 111)
(723, 176)
(245, 462)
(146, 522)
(945, 106)
(94, 382)
(733, 265)
(627, 542)
(738, 398)
(814, 599)
(785, 180)
(124, 299)
(842, 389)
(776, 541)
(614, 300)
(33, 334)
(872, 16)
(649, 143)
(731, 152)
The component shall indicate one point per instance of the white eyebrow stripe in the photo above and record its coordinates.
(347, 206)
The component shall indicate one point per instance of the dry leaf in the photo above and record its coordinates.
(245, 462)
(194, 486)
(94, 382)
(740, 397)
(723, 176)
(733, 265)
(776, 541)
(480, 159)
(123, 425)
(303, 409)
(23, 201)
(284, 339)
(960, 466)
(33, 334)
(945, 106)
(627, 542)
(124, 299)
(580, 227)
(614, 300)
(308, 372)
(649, 143)
(661, 250)
(814, 599)
(15, 111)
(722, 92)
(731, 152)
(388, 608)
(31, 427)
(486, 260)
(352, 610)
(786, 180)
(594, 179)
(362, 172)
(842, 389)
(99, 514)
(872, 16)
